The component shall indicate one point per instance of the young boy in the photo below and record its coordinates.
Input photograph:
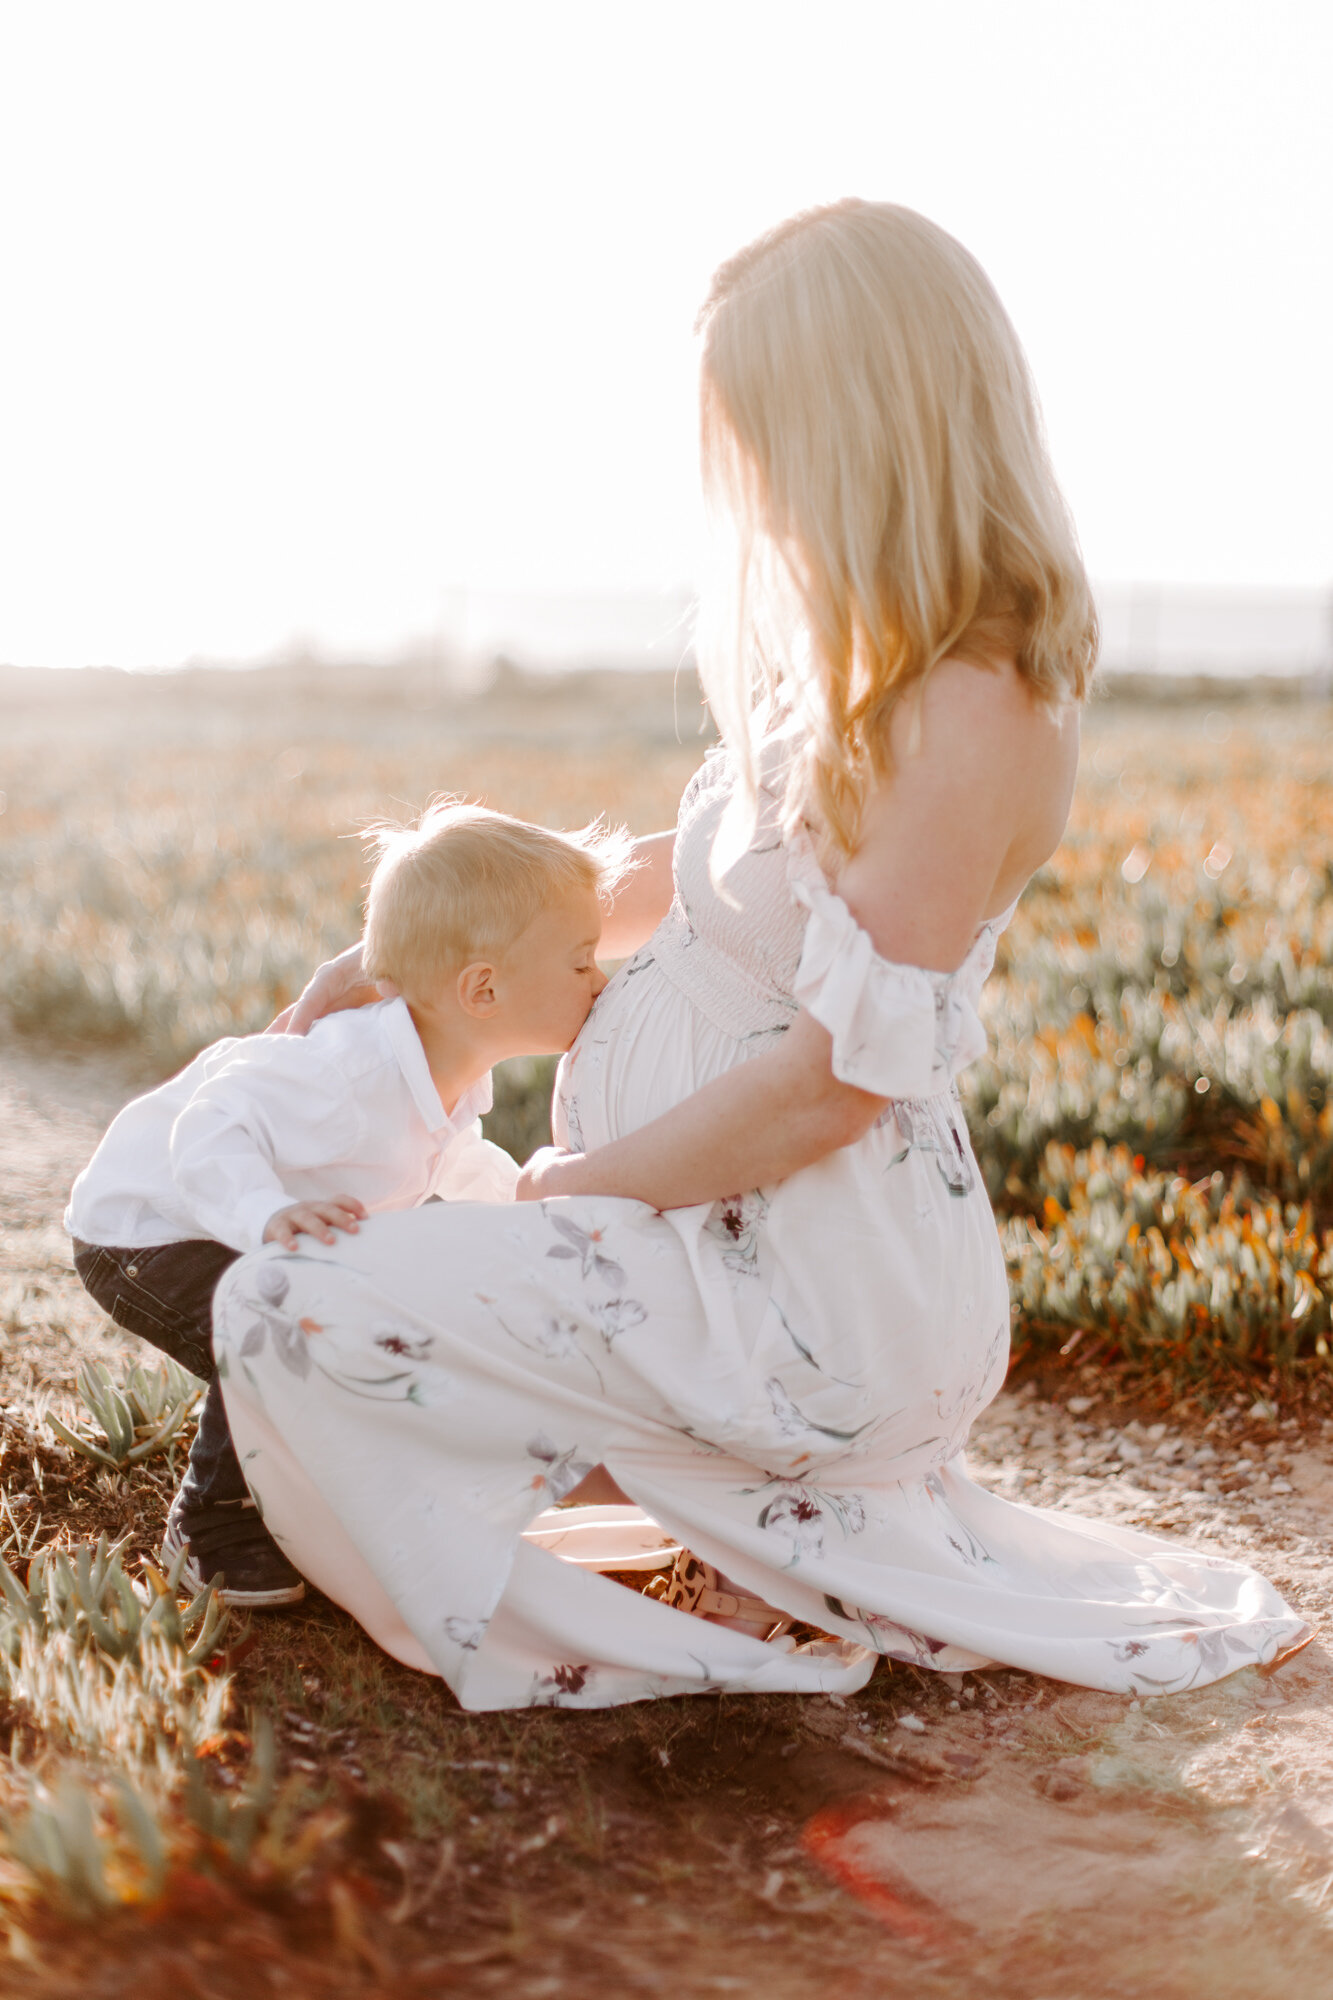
(484, 930)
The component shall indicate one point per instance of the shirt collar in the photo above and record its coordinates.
(411, 1058)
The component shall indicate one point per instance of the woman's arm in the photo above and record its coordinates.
(642, 899)
(949, 841)
(760, 1122)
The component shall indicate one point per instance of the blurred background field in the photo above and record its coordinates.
(1155, 1126)
(1155, 1122)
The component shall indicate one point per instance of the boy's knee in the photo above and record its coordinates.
(163, 1294)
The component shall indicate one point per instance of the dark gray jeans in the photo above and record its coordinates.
(165, 1295)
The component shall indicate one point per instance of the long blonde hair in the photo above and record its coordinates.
(870, 428)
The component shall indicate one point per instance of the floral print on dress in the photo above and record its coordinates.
(959, 1407)
(799, 1520)
(560, 1334)
(573, 1122)
(271, 1286)
(737, 1224)
(561, 1686)
(891, 1640)
(805, 1350)
(557, 1335)
(465, 1633)
(799, 1515)
(960, 1539)
(403, 1342)
(1210, 1654)
(730, 1356)
(930, 1129)
(586, 1245)
(562, 1470)
(617, 1316)
(292, 1339)
(792, 1423)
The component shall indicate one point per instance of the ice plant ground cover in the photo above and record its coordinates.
(190, 1805)
(1166, 990)
(1166, 986)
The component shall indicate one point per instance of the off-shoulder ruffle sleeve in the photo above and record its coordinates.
(898, 1030)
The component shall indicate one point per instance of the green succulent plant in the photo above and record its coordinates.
(59, 1842)
(96, 1840)
(142, 1415)
(110, 1664)
(86, 1597)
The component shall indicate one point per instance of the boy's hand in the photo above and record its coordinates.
(314, 1218)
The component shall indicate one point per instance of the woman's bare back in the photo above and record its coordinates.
(969, 810)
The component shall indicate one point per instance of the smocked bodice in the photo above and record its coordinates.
(771, 936)
(732, 947)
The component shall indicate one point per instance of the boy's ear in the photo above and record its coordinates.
(476, 989)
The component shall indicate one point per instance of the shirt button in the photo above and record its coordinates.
(131, 1270)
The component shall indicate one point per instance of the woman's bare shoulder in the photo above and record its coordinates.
(986, 722)
(973, 696)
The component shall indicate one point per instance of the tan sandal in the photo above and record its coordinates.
(695, 1586)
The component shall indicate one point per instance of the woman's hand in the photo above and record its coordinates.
(749, 1127)
(550, 1171)
(338, 984)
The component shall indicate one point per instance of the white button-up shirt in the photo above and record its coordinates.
(255, 1124)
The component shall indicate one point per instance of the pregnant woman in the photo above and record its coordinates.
(759, 1285)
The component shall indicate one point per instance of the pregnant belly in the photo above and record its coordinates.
(644, 1047)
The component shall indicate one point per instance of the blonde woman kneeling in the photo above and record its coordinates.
(761, 1287)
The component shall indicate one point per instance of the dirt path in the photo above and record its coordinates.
(53, 1109)
(934, 1837)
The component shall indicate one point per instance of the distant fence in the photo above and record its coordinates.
(1164, 629)
(1146, 629)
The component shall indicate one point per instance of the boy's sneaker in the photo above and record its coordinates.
(229, 1546)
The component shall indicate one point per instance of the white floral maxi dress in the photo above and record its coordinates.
(784, 1382)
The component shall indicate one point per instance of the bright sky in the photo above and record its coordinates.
(314, 312)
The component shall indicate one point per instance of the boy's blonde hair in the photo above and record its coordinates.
(869, 424)
(464, 883)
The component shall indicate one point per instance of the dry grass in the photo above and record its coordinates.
(170, 871)
(170, 868)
